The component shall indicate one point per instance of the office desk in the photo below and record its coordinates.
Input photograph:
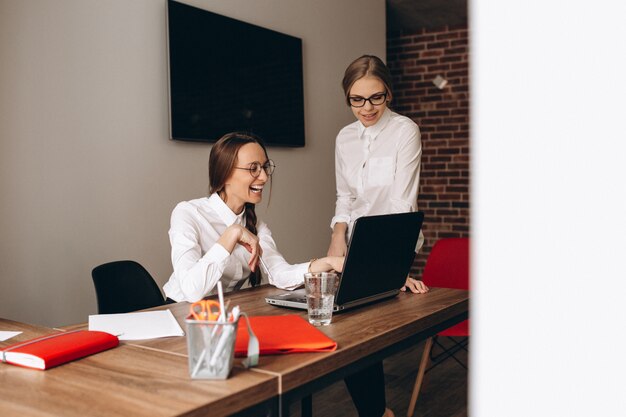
(151, 377)
(127, 381)
(364, 335)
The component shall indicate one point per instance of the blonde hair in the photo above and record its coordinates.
(366, 65)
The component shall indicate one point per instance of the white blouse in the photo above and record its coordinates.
(199, 261)
(377, 169)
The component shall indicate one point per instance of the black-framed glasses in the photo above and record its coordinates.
(375, 100)
(256, 167)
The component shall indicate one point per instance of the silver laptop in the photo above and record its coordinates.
(380, 255)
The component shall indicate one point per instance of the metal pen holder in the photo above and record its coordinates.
(211, 348)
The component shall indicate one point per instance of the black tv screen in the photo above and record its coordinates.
(226, 75)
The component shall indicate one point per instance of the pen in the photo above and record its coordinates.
(234, 314)
(227, 331)
(220, 295)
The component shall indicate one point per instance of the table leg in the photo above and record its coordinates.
(307, 406)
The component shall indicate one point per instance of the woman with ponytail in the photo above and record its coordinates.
(219, 238)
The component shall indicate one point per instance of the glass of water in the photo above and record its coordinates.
(320, 296)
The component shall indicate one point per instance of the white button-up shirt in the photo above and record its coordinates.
(199, 261)
(377, 169)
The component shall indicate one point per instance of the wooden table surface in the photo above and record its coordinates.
(364, 331)
(124, 381)
(151, 377)
(360, 332)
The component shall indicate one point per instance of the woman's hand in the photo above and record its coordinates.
(328, 263)
(338, 246)
(237, 234)
(416, 286)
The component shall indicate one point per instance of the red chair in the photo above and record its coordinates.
(447, 266)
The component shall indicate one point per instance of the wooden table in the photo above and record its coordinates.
(127, 381)
(151, 377)
(364, 335)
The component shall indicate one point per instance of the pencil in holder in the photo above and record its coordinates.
(211, 348)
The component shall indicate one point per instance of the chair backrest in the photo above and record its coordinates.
(447, 265)
(125, 286)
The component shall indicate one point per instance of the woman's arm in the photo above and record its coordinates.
(343, 209)
(281, 273)
(338, 245)
(405, 188)
(197, 274)
(326, 264)
(407, 176)
(237, 234)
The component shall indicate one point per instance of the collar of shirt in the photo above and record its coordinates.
(374, 130)
(224, 212)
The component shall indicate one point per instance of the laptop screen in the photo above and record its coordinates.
(380, 255)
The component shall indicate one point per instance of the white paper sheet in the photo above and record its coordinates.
(137, 326)
(6, 335)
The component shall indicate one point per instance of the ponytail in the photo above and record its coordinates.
(255, 276)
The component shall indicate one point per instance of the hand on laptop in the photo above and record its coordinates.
(328, 263)
(416, 286)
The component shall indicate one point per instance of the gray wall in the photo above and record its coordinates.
(87, 172)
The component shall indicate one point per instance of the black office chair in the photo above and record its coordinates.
(125, 286)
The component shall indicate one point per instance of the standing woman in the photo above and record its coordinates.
(219, 238)
(377, 166)
(377, 157)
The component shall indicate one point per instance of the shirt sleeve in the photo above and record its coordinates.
(407, 176)
(343, 206)
(281, 273)
(196, 274)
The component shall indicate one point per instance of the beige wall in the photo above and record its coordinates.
(87, 172)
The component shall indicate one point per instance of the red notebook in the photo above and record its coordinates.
(55, 349)
(283, 334)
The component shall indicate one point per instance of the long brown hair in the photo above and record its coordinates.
(366, 65)
(222, 161)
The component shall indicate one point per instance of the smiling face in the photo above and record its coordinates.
(241, 187)
(367, 87)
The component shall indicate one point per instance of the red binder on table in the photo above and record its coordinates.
(283, 334)
(48, 351)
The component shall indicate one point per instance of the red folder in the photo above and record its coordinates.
(282, 334)
(55, 349)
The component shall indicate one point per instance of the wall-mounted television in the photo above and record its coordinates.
(227, 75)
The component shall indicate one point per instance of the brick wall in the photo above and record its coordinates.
(415, 59)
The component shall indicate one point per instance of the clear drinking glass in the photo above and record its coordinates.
(320, 296)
